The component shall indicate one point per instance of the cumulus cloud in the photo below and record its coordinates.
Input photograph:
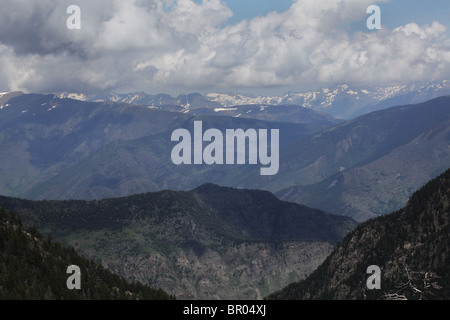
(183, 45)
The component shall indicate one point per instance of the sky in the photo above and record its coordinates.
(395, 13)
(251, 46)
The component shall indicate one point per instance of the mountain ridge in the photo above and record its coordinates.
(416, 139)
(189, 243)
(341, 101)
(411, 247)
(67, 149)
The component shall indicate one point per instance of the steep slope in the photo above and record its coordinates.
(383, 185)
(411, 246)
(6, 96)
(144, 164)
(33, 267)
(42, 135)
(369, 165)
(211, 242)
(264, 216)
(105, 149)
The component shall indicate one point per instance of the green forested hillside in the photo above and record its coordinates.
(211, 242)
(411, 246)
(33, 267)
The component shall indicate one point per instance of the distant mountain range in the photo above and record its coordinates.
(370, 165)
(69, 149)
(208, 243)
(237, 240)
(411, 247)
(65, 149)
(196, 104)
(342, 101)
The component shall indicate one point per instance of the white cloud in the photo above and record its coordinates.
(182, 45)
(426, 32)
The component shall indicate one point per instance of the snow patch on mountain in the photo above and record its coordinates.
(74, 96)
(341, 101)
(231, 100)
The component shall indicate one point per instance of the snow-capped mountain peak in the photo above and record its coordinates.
(342, 101)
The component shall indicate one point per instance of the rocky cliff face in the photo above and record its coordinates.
(247, 270)
(411, 246)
